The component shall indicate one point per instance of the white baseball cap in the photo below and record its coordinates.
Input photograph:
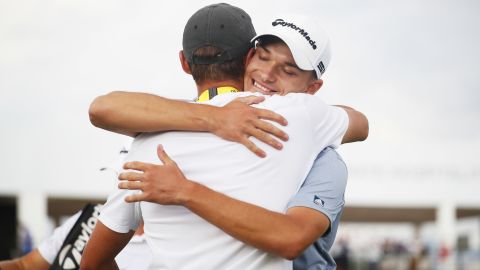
(307, 41)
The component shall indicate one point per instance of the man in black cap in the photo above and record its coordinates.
(216, 69)
(200, 65)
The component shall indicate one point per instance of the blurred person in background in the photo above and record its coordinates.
(63, 249)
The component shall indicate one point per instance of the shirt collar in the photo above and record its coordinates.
(212, 92)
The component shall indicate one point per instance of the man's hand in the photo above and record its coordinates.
(164, 184)
(237, 121)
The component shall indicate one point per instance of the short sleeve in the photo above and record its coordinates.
(324, 187)
(51, 246)
(118, 215)
(330, 123)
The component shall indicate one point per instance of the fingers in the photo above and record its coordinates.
(136, 198)
(252, 147)
(130, 176)
(162, 155)
(130, 185)
(251, 99)
(136, 165)
(265, 137)
(266, 127)
(269, 115)
(262, 113)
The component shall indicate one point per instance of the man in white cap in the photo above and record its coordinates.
(255, 259)
(299, 44)
(287, 46)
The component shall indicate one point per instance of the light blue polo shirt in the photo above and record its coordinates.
(323, 190)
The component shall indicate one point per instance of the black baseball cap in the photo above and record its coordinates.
(221, 25)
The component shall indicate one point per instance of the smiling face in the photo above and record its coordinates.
(272, 70)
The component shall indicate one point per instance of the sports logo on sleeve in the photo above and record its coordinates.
(318, 201)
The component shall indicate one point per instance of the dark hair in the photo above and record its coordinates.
(228, 70)
(269, 40)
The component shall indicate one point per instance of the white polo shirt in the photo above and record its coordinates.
(178, 238)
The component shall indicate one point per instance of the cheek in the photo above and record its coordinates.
(253, 65)
(251, 69)
(294, 85)
(247, 79)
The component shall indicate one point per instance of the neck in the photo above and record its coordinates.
(209, 84)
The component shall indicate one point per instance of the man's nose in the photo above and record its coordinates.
(268, 74)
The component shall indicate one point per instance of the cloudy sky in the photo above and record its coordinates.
(410, 66)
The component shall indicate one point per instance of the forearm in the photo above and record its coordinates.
(102, 248)
(11, 265)
(130, 113)
(32, 260)
(267, 230)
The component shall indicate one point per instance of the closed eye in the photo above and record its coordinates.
(290, 73)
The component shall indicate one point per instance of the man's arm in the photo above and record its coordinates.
(129, 113)
(285, 235)
(357, 125)
(102, 248)
(32, 260)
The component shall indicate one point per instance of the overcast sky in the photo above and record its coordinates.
(411, 66)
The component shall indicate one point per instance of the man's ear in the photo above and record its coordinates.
(249, 56)
(184, 63)
(314, 86)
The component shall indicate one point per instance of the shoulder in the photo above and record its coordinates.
(328, 169)
(331, 156)
(295, 99)
(316, 109)
(324, 188)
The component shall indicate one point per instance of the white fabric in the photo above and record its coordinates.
(50, 247)
(135, 256)
(181, 240)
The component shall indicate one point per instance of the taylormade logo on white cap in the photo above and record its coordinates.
(301, 31)
(307, 41)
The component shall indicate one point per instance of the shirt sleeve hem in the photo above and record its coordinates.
(112, 225)
(312, 206)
